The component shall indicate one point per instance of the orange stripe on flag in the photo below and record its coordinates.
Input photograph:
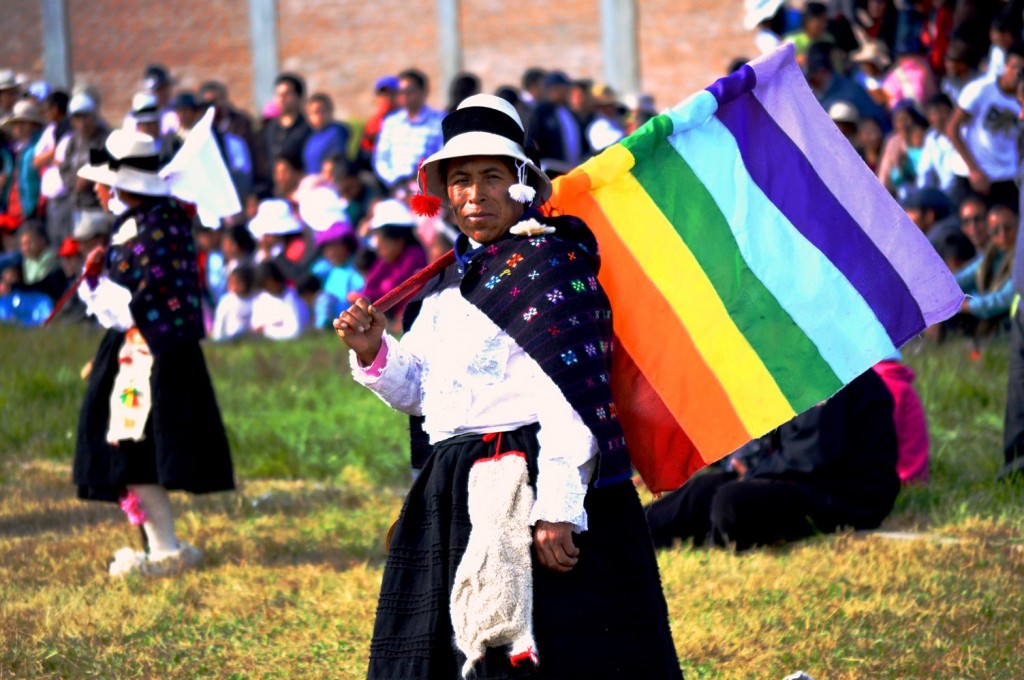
(643, 322)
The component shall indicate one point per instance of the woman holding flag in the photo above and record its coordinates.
(522, 543)
(149, 422)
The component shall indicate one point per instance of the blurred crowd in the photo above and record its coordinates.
(927, 91)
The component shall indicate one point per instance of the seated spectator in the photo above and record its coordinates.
(277, 311)
(830, 467)
(988, 279)
(869, 142)
(329, 137)
(237, 246)
(274, 223)
(901, 156)
(974, 221)
(910, 77)
(19, 305)
(233, 317)
(41, 270)
(932, 212)
(956, 250)
(336, 269)
(813, 29)
(939, 160)
(960, 68)
(909, 420)
(399, 254)
(606, 127)
(92, 229)
(349, 182)
(871, 60)
(830, 86)
(213, 276)
(847, 119)
(71, 263)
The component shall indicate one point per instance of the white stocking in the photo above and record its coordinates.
(159, 524)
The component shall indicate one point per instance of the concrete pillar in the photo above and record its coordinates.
(265, 64)
(619, 45)
(56, 45)
(449, 40)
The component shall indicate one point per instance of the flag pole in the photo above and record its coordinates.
(414, 283)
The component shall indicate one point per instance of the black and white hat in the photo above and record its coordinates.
(485, 125)
(129, 161)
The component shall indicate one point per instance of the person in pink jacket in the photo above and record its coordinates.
(908, 415)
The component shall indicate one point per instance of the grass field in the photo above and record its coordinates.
(292, 561)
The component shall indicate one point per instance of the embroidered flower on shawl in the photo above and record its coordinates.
(530, 227)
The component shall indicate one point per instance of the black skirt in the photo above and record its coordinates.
(185, 446)
(606, 618)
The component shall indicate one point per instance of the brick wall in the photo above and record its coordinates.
(21, 36)
(342, 46)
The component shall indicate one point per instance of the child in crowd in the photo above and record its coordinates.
(336, 269)
(234, 311)
(277, 311)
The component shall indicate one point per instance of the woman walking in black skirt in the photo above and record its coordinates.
(521, 549)
(149, 422)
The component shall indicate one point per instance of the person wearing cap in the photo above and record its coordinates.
(984, 129)
(21, 196)
(88, 134)
(847, 119)
(189, 110)
(336, 268)
(10, 92)
(522, 540)
(606, 127)
(410, 134)
(769, 18)
(829, 86)
(871, 60)
(149, 421)
(554, 130)
(399, 254)
(146, 115)
(157, 80)
(92, 229)
(385, 92)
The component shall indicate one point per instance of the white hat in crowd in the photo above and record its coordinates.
(391, 213)
(129, 161)
(759, 10)
(274, 217)
(92, 223)
(25, 111)
(145, 108)
(80, 104)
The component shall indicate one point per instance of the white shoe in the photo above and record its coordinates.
(127, 561)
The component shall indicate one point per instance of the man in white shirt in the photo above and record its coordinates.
(410, 134)
(984, 129)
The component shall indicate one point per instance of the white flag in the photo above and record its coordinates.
(197, 174)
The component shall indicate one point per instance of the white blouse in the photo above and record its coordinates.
(466, 375)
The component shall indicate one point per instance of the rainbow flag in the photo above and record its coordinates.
(754, 264)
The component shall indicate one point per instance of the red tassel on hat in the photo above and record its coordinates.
(423, 204)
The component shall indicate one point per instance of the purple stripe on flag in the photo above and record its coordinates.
(786, 177)
(783, 91)
(727, 88)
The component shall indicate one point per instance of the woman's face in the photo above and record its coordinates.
(478, 193)
(388, 249)
(1002, 229)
